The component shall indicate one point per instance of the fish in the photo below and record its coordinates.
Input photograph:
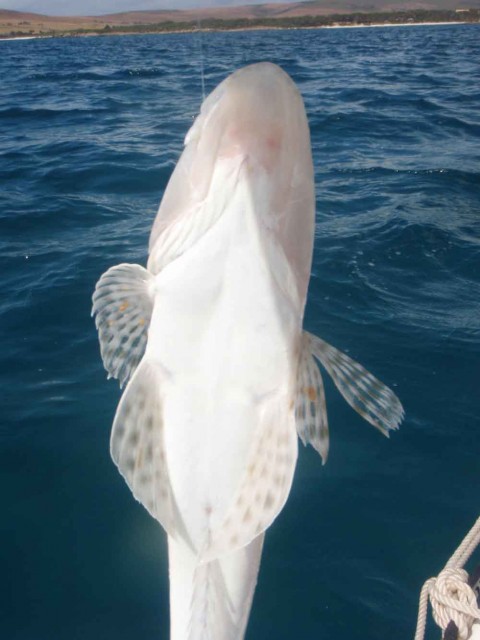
(221, 378)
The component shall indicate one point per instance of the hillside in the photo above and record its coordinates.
(290, 14)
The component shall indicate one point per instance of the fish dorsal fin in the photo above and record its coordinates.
(138, 449)
(122, 306)
(265, 485)
(310, 406)
(373, 400)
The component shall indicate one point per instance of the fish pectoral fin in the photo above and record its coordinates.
(264, 486)
(373, 400)
(122, 306)
(137, 447)
(310, 407)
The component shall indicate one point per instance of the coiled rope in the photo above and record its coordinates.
(450, 595)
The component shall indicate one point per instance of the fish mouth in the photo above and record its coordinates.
(251, 114)
(256, 89)
(252, 129)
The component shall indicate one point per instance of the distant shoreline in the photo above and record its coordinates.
(113, 32)
(298, 15)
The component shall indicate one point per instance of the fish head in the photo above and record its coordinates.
(255, 123)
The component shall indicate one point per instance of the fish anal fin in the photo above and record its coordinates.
(310, 407)
(137, 447)
(122, 306)
(265, 484)
(370, 398)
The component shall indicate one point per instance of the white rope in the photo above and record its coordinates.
(450, 595)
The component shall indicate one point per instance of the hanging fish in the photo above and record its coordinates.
(221, 377)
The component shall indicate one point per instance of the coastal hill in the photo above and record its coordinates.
(312, 13)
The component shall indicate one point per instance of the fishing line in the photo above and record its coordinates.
(202, 69)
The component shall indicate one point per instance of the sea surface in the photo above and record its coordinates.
(90, 130)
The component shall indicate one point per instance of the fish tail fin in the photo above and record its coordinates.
(211, 608)
(373, 400)
(211, 600)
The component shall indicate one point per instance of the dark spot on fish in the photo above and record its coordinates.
(269, 501)
(119, 431)
(134, 438)
(312, 394)
(130, 464)
(145, 479)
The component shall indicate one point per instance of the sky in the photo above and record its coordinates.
(99, 7)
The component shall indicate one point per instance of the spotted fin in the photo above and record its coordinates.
(368, 396)
(265, 484)
(122, 306)
(310, 406)
(138, 449)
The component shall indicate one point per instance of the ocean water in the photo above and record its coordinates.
(90, 130)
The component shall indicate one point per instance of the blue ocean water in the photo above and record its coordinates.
(90, 130)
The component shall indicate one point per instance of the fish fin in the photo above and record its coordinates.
(373, 400)
(122, 306)
(184, 232)
(265, 484)
(211, 609)
(137, 447)
(310, 407)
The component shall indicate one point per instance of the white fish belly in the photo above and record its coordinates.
(224, 334)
